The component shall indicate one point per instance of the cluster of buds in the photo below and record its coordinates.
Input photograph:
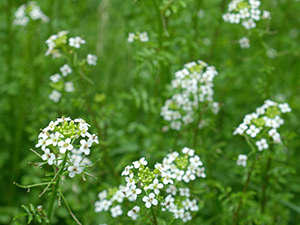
(262, 125)
(143, 37)
(194, 90)
(58, 45)
(163, 188)
(246, 12)
(29, 11)
(67, 139)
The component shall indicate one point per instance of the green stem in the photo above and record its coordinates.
(217, 31)
(195, 27)
(266, 182)
(70, 211)
(236, 213)
(160, 24)
(154, 216)
(50, 209)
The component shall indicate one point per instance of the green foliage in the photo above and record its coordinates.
(123, 103)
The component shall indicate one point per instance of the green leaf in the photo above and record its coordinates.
(38, 218)
(32, 208)
(30, 218)
(20, 215)
(290, 205)
(26, 209)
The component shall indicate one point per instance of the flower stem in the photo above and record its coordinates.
(154, 216)
(60, 171)
(70, 211)
(236, 213)
(266, 182)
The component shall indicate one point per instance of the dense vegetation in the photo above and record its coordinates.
(123, 95)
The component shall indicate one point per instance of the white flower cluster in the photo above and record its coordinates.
(55, 43)
(242, 160)
(244, 42)
(27, 11)
(263, 124)
(66, 136)
(193, 85)
(164, 187)
(59, 83)
(143, 37)
(246, 12)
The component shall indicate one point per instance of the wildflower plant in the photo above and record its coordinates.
(138, 36)
(65, 145)
(245, 12)
(193, 87)
(261, 126)
(163, 188)
(260, 130)
(27, 12)
(62, 46)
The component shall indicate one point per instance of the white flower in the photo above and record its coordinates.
(140, 162)
(65, 70)
(248, 24)
(150, 200)
(252, 131)
(241, 129)
(242, 160)
(85, 146)
(91, 59)
(55, 137)
(244, 42)
(172, 189)
(21, 22)
(175, 125)
(75, 169)
(131, 37)
(126, 171)
(167, 178)
(284, 108)
(266, 15)
(69, 87)
(143, 37)
(102, 195)
(188, 151)
(48, 156)
(156, 186)
(134, 191)
(188, 176)
(254, 3)
(262, 144)
(186, 217)
(169, 202)
(106, 204)
(55, 78)
(93, 138)
(196, 161)
(133, 213)
(116, 211)
(76, 42)
(184, 192)
(118, 196)
(178, 213)
(130, 180)
(178, 174)
(200, 172)
(193, 205)
(43, 143)
(65, 145)
(55, 96)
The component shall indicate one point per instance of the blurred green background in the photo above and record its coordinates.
(130, 86)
